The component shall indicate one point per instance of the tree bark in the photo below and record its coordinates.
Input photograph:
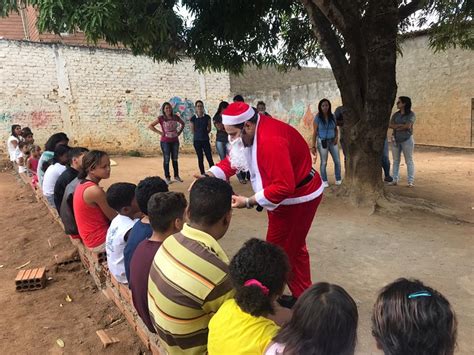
(366, 79)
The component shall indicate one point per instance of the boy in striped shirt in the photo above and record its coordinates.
(189, 278)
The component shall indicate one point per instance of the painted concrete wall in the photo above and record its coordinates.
(101, 98)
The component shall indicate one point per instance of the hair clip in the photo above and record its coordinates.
(254, 282)
(419, 294)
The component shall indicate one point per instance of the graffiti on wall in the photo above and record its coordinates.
(184, 108)
(296, 113)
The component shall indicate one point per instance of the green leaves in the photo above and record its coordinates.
(225, 35)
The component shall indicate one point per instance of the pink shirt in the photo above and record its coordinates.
(169, 127)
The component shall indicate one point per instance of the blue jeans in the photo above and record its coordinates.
(170, 149)
(333, 149)
(386, 160)
(407, 148)
(221, 149)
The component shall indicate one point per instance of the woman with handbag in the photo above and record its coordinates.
(325, 135)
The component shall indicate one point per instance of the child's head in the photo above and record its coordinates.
(210, 202)
(324, 321)
(24, 147)
(27, 135)
(121, 197)
(95, 165)
(259, 273)
(166, 212)
(148, 187)
(16, 130)
(75, 157)
(56, 139)
(35, 151)
(61, 154)
(411, 318)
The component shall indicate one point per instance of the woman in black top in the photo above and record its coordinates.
(222, 139)
(200, 127)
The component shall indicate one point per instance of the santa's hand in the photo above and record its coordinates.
(238, 201)
(199, 176)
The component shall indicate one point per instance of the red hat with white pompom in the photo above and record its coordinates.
(236, 113)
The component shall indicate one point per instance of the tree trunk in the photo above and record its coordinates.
(366, 79)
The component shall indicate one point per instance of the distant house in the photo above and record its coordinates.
(23, 26)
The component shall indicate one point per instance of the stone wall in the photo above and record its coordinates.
(101, 98)
(441, 86)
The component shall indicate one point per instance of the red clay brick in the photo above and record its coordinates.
(31, 279)
(155, 348)
(126, 294)
(130, 318)
(143, 335)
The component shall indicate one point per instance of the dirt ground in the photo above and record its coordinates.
(359, 251)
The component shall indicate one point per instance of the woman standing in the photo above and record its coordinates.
(402, 124)
(325, 136)
(200, 127)
(222, 139)
(12, 142)
(171, 128)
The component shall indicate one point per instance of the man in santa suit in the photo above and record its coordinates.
(282, 177)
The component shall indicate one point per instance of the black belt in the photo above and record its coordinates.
(307, 178)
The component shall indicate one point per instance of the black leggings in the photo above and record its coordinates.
(203, 147)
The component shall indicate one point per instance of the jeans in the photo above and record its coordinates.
(221, 149)
(386, 160)
(407, 148)
(323, 153)
(203, 147)
(170, 149)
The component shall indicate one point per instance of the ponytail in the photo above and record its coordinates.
(90, 161)
(259, 272)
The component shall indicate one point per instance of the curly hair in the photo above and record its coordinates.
(148, 187)
(264, 262)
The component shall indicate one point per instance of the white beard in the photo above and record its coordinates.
(237, 156)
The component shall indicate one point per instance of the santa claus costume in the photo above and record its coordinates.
(284, 182)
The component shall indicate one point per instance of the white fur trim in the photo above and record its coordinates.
(303, 199)
(262, 201)
(217, 172)
(233, 120)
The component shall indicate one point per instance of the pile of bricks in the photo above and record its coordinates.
(96, 265)
(32, 279)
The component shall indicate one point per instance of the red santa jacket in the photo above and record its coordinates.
(279, 160)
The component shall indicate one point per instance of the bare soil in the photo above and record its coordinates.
(352, 247)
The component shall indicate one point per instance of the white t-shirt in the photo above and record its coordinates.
(12, 151)
(21, 167)
(275, 349)
(50, 177)
(115, 245)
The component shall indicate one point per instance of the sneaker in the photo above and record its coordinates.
(325, 184)
(338, 182)
(410, 184)
(392, 183)
(168, 181)
(178, 179)
(388, 179)
(287, 301)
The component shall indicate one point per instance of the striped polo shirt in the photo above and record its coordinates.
(189, 280)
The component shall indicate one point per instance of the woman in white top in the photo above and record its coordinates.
(12, 142)
(53, 172)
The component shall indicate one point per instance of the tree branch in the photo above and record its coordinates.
(332, 12)
(410, 8)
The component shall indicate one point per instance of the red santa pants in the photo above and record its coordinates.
(288, 226)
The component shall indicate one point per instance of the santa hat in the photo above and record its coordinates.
(236, 113)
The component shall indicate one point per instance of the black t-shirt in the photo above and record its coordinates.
(221, 135)
(64, 179)
(200, 127)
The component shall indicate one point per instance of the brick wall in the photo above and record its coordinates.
(101, 98)
(441, 86)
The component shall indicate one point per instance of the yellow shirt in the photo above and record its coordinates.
(232, 331)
